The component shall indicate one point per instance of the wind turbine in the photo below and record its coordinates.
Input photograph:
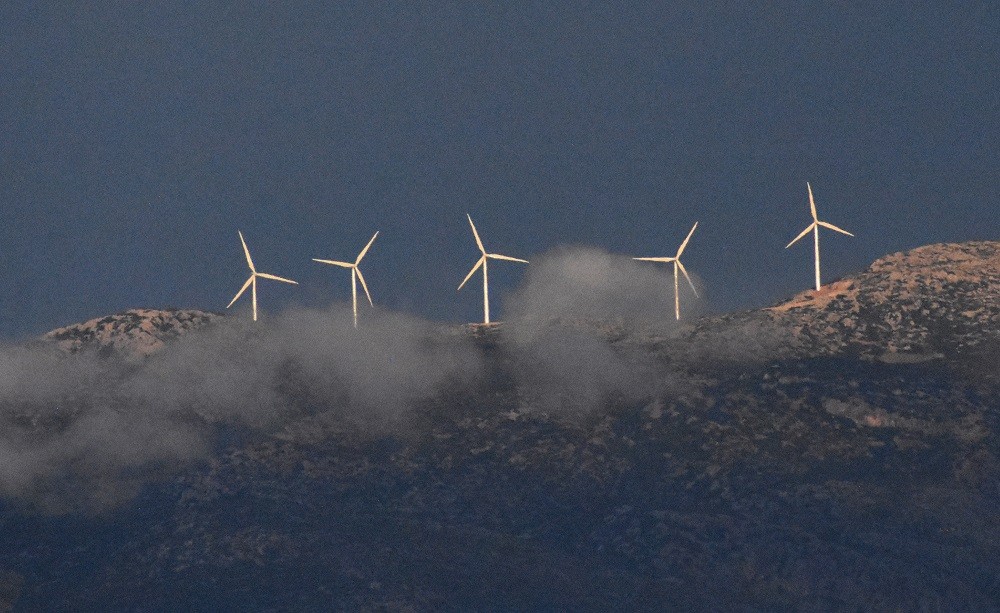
(482, 262)
(355, 276)
(252, 281)
(814, 226)
(678, 265)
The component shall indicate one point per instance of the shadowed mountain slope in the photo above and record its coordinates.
(838, 451)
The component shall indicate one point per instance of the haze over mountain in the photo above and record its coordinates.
(838, 450)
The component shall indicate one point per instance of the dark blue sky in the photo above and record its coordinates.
(136, 138)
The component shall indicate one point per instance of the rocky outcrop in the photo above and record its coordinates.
(135, 333)
(934, 302)
(933, 299)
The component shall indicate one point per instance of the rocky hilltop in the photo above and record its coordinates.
(838, 451)
(935, 302)
(941, 298)
(133, 333)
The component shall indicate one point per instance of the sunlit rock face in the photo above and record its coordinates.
(927, 300)
(936, 301)
(838, 451)
(132, 334)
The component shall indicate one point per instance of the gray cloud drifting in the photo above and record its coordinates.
(586, 283)
(84, 432)
(564, 317)
(68, 434)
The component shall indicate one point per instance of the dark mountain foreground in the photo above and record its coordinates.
(838, 451)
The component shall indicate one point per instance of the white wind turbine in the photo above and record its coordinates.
(252, 281)
(482, 262)
(355, 276)
(678, 265)
(814, 226)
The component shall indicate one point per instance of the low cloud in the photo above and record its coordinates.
(306, 361)
(588, 284)
(78, 431)
(84, 431)
(569, 326)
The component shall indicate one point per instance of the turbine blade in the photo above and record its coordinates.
(247, 252)
(335, 263)
(473, 271)
(497, 256)
(834, 228)
(685, 243)
(479, 242)
(264, 275)
(812, 203)
(240, 293)
(655, 259)
(365, 250)
(364, 285)
(799, 237)
(686, 276)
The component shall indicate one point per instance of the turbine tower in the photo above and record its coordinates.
(678, 265)
(252, 281)
(814, 226)
(482, 262)
(355, 276)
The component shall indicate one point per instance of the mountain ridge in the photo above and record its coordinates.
(925, 299)
(899, 304)
(837, 451)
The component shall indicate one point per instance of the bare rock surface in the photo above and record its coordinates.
(931, 303)
(933, 299)
(134, 333)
